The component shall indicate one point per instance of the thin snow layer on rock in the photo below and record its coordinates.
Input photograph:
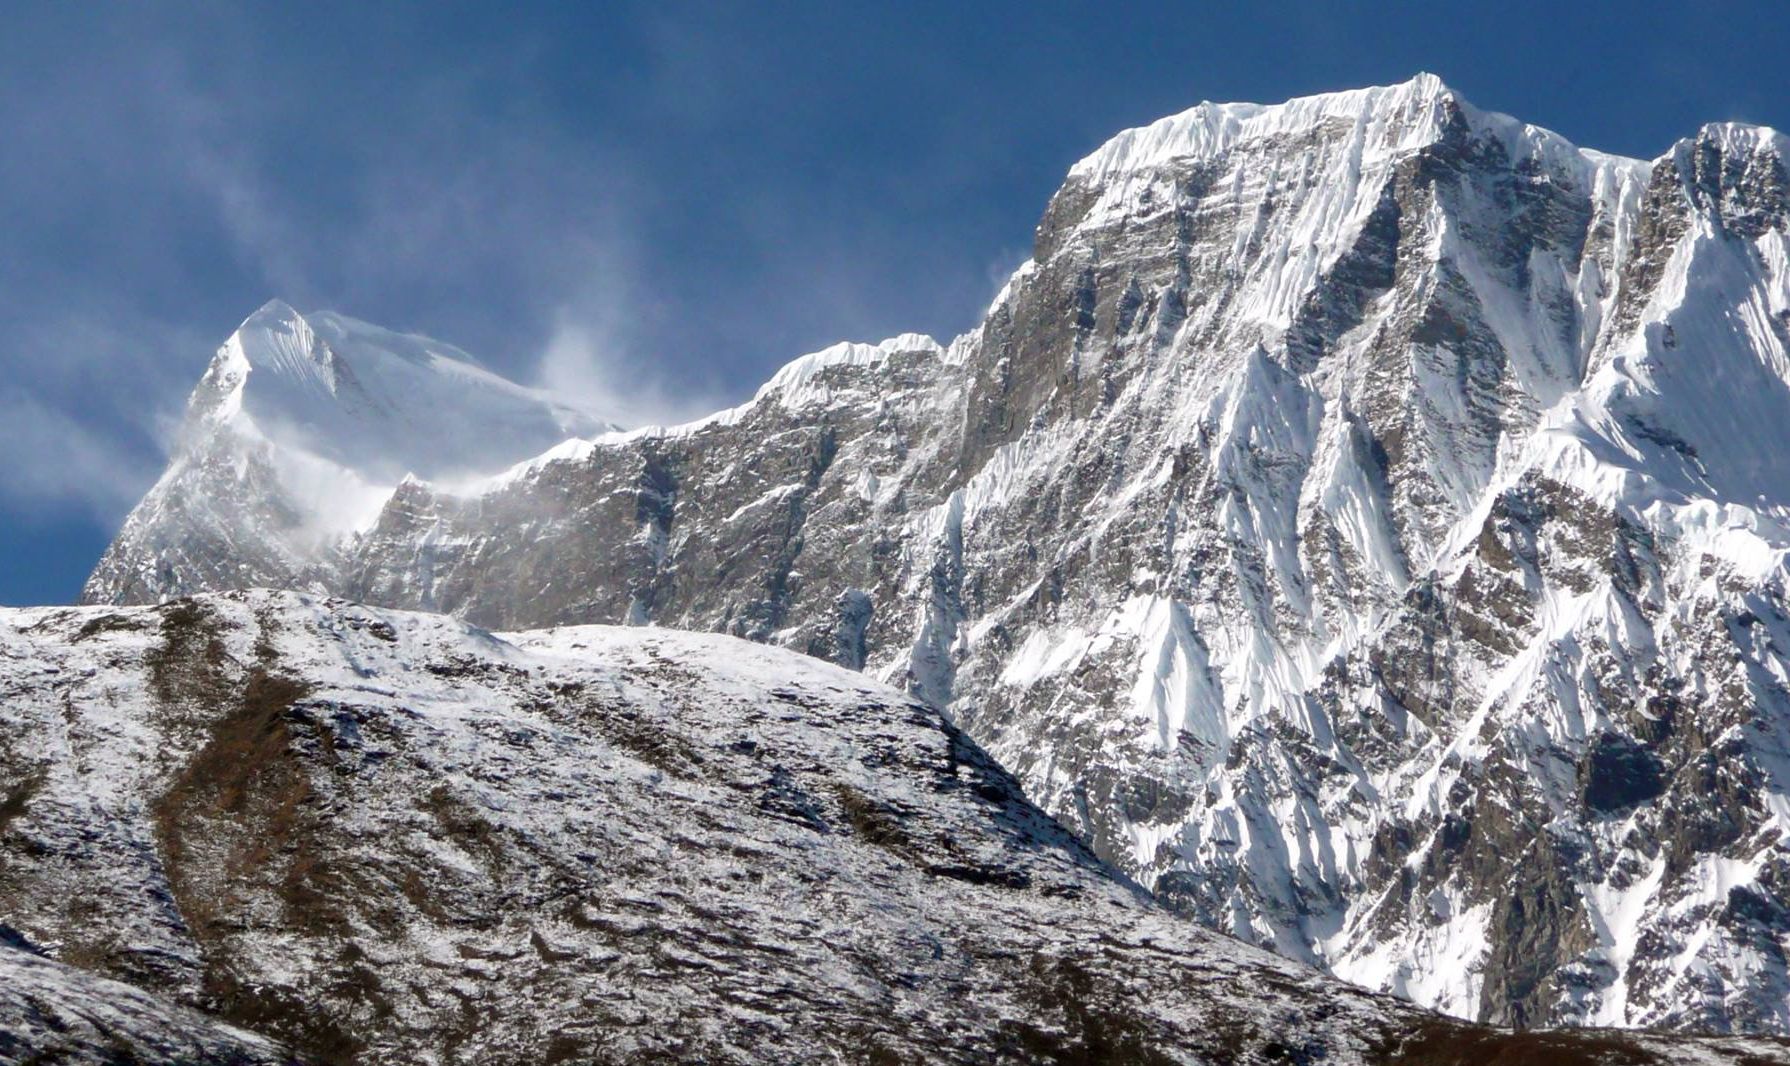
(806, 381)
(393, 837)
(794, 384)
(1362, 520)
(50, 1012)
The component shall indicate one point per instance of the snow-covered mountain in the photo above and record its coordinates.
(1364, 520)
(299, 432)
(391, 837)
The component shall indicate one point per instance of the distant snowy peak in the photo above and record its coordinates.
(380, 403)
(297, 436)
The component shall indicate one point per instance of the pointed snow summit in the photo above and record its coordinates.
(298, 433)
(380, 403)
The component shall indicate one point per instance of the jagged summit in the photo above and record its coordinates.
(791, 381)
(301, 429)
(1746, 136)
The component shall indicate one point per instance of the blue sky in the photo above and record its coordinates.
(657, 204)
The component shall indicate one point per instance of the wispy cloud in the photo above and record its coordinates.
(179, 180)
(597, 350)
(55, 461)
(584, 362)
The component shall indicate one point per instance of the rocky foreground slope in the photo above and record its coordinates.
(1364, 520)
(53, 1013)
(383, 837)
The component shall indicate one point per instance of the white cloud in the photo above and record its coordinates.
(175, 179)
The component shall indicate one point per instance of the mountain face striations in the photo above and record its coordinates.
(1363, 521)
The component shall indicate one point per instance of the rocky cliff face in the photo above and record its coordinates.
(1363, 521)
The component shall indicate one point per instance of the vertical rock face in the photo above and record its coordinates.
(1363, 520)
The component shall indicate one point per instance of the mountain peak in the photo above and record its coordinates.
(794, 377)
(378, 401)
(1424, 81)
(1743, 137)
(1409, 111)
(1736, 172)
(274, 311)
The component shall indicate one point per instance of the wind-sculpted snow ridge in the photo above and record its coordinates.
(391, 837)
(1363, 521)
